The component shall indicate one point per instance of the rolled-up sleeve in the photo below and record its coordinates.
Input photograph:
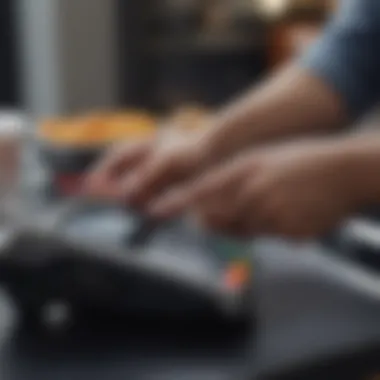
(347, 56)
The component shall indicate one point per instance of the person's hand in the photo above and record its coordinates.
(299, 190)
(138, 172)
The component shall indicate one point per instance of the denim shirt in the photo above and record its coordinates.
(347, 56)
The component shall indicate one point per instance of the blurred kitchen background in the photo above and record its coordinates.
(61, 57)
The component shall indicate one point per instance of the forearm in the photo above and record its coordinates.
(290, 103)
(343, 86)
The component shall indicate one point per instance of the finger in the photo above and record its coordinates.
(241, 210)
(229, 230)
(150, 179)
(117, 189)
(260, 223)
(256, 209)
(223, 226)
(115, 161)
(223, 203)
(102, 191)
(212, 221)
(104, 180)
(232, 229)
(250, 197)
(217, 217)
(200, 191)
(209, 184)
(217, 213)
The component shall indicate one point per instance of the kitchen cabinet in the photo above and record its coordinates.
(180, 52)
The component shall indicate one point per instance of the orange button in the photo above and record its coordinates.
(237, 275)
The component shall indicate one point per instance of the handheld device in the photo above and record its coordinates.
(60, 259)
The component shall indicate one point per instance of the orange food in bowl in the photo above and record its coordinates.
(95, 130)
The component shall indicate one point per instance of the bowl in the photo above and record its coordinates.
(61, 159)
(72, 145)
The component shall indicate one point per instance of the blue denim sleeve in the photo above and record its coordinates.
(347, 56)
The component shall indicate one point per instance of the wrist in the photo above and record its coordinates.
(209, 146)
(224, 137)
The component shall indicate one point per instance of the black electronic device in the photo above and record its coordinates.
(61, 258)
(317, 313)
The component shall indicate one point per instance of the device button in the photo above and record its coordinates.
(237, 275)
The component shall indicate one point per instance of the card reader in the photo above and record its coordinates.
(66, 257)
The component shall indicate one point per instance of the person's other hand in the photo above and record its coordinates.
(138, 172)
(299, 190)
